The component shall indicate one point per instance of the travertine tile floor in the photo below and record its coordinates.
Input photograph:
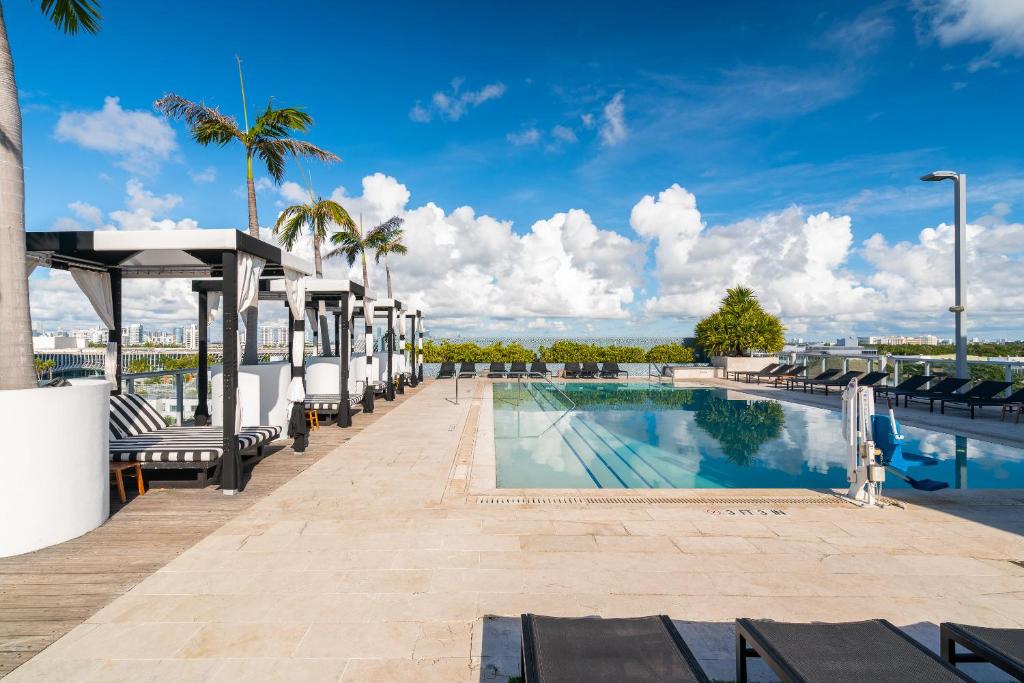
(355, 570)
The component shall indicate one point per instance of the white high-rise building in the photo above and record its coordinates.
(273, 335)
(132, 335)
(191, 336)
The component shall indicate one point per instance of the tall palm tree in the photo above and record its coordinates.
(386, 239)
(268, 139)
(17, 370)
(352, 244)
(317, 214)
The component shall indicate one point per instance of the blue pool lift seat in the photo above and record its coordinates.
(888, 436)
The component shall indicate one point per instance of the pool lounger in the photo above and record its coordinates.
(982, 391)
(840, 381)
(910, 384)
(517, 369)
(780, 371)
(447, 370)
(571, 371)
(467, 370)
(606, 650)
(946, 385)
(496, 371)
(868, 380)
(539, 368)
(763, 372)
(1001, 647)
(590, 371)
(827, 374)
(849, 652)
(611, 370)
(330, 403)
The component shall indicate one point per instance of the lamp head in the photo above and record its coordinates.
(936, 176)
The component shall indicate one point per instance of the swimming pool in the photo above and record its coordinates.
(623, 435)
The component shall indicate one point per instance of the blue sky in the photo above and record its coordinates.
(523, 113)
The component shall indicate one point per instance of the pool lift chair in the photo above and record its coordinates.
(889, 440)
(864, 472)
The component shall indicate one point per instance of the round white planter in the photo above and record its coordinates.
(54, 473)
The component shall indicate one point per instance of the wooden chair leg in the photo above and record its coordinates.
(138, 478)
(119, 480)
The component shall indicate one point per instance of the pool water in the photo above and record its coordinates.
(652, 436)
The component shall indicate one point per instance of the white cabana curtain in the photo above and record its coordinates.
(314, 322)
(212, 307)
(97, 289)
(295, 293)
(249, 270)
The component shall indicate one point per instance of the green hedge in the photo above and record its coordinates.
(561, 351)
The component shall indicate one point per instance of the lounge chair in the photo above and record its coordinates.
(138, 433)
(777, 372)
(496, 370)
(447, 370)
(789, 375)
(571, 371)
(746, 373)
(330, 404)
(517, 369)
(874, 651)
(606, 650)
(611, 370)
(590, 371)
(982, 391)
(467, 370)
(868, 380)
(838, 380)
(827, 374)
(1001, 647)
(945, 386)
(539, 367)
(914, 383)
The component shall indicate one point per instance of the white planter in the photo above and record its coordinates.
(54, 471)
(263, 393)
(742, 363)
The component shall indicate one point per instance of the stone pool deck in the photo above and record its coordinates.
(375, 564)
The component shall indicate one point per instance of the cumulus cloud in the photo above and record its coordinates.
(613, 128)
(564, 134)
(999, 23)
(452, 104)
(207, 175)
(527, 136)
(87, 212)
(140, 139)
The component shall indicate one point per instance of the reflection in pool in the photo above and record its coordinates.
(652, 436)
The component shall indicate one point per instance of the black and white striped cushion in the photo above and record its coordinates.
(328, 402)
(186, 444)
(131, 415)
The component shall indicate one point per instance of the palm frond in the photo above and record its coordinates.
(193, 113)
(289, 224)
(72, 16)
(272, 155)
(280, 123)
(349, 246)
(333, 212)
(301, 148)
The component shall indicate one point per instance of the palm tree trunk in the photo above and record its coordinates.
(251, 354)
(325, 333)
(366, 277)
(387, 271)
(16, 367)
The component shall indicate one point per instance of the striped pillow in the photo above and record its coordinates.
(131, 415)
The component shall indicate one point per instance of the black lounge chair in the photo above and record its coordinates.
(590, 370)
(910, 384)
(945, 386)
(835, 381)
(517, 369)
(1014, 400)
(611, 370)
(827, 374)
(1001, 647)
(539, 367)
(789, 375)
(447, 370)
(777, 372)
(746, 373)
(596, 650)
(467, 370)
(868, 380)
(982, 391)
(496, 370)
(572, 370)
(874, 651)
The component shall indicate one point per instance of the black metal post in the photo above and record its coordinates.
(413, 377)
(298, 369)
(230, 466)
(341, 338)
(419, 343)
(202, 416)
(389, 391)
(115, 334)
(368, 336)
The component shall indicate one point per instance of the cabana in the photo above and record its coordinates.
(99, 261)
(387, 308)
(414, 355)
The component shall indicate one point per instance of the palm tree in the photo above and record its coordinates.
(739, 326)
(17, 370)
(352, 244)
(386, 239)
(318, 213)
(269, 140)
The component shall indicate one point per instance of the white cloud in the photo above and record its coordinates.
(207, 175)
(454, 103)
(613, 129)
(1000, 23)
(527, 136)
(139, 138)
(587, 120)
(564, 133)
(293, 192)
(86, 212)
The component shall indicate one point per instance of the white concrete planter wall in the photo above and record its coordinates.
(681, 372)
(323, 375)
(742, 363)
(54, 474)
(263, 394)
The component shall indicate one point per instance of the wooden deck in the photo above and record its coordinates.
(45, 594)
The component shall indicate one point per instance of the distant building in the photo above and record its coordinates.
(190, 336)
(179, 335)
(273, 335)
(897, 340)
(132, 335)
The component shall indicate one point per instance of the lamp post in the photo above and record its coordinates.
(960, 262)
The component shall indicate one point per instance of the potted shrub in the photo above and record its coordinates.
(737, 329)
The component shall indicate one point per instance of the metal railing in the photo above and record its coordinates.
(129, 380)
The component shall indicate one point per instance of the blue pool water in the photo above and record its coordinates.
(652, 436)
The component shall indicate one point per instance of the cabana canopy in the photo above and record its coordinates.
(388, 307)
(99, 261)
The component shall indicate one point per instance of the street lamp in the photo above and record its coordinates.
(960, 261)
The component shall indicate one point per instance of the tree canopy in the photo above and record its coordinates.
(740, 326)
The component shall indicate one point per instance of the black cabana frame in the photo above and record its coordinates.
(173, 254)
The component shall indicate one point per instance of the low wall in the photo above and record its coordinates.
(742, 363)
(263, 390)
(54, 475)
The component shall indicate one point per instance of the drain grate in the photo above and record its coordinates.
(655, 500)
